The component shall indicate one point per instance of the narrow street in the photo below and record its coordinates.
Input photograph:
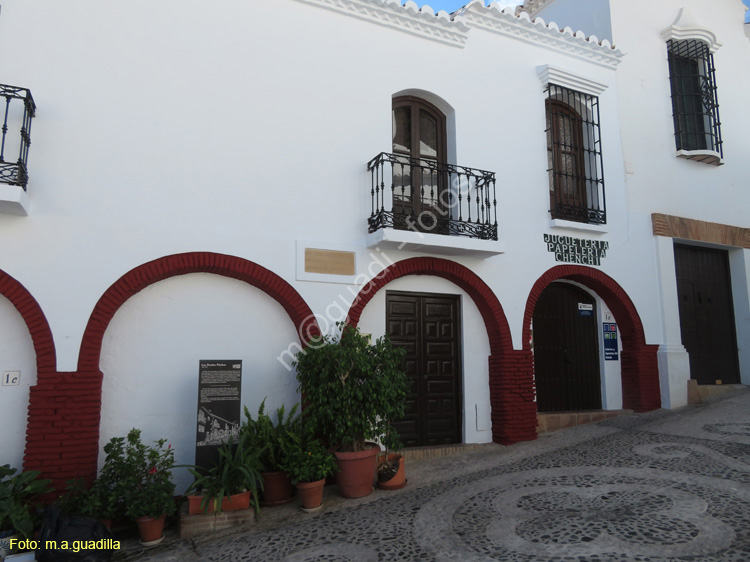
(667, 485)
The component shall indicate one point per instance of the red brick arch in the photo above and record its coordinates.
(640, 373)
(511, 385)
(63, 432)
(36, 322)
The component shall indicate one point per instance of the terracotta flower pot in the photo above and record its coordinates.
(311, 493)
(356, 472)
(151, 529)
(399, 479)
(277, 488)
(235, 502)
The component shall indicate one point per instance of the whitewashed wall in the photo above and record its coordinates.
(177, 126)
(152, 347)
(16, 354)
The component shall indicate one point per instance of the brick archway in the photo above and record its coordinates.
(36, 322)
(640, 372)
(511, 382)
(63, 441)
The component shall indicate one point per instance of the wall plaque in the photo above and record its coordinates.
(331, 262)
(610, 341)
(576, 250)
(219, 408)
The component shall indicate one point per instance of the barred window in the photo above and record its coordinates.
(574, 157)
(695, 107)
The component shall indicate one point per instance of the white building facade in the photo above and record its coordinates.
(498, 193)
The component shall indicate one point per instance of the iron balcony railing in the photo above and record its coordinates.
(19, 110)
(432, 197)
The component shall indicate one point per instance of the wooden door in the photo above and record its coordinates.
(419, 177)
(704, 290)
(566, 350)
(428, 327)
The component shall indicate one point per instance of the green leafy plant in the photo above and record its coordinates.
(17, 491)
(138, 477)
(353, 390)
(236, 471)
(267, 438)
(306, 459)
(79, 499)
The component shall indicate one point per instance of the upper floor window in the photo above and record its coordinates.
(415, 188)
(695, 107)
(574, 157)
(18, 110)
(419, 144)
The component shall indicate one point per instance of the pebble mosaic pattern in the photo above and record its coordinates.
(630, 496)
(728, 428)
(641, 493)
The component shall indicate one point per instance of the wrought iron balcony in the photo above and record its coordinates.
(432, 197)
(17, 114)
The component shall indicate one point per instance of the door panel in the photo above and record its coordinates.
(566, 350)
(432, 342)
(704, 290)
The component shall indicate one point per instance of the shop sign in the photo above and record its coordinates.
(576, 250)
(585, 309)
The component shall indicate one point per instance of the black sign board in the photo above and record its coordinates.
(610, 341)
(219, 408)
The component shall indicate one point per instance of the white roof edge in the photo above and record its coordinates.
(520, 25)
(453, 29)
(409, 18)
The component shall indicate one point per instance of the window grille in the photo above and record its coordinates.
(574, 156)
(18, 112)
(695, 107)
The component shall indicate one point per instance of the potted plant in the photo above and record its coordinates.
(391, 465)
(353, 390)
(269, 440)
(17, 514)
(309, 463)
(230, 485)
(142, 482)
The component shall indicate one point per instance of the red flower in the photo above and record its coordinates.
(152, 471)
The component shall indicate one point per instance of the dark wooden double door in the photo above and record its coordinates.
(566, 350)
(707, 314)
(428, 327)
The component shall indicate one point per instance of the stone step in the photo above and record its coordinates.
(555, 421)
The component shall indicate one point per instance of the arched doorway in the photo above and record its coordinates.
(566, 350)
(640, 372)
(66, 444)
(510, 375)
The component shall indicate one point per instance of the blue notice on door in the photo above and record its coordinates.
(610, 341)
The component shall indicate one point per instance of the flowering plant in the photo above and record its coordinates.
(140, 475)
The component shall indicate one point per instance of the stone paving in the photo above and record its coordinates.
(667, 485)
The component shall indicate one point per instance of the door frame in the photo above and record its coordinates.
(460, 407)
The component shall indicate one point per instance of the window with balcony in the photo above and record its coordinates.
(574, 156)
(18, 110)
(16, 135)
(695, 107)
(415, 188)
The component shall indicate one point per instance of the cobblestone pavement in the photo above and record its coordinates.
(667, 485)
